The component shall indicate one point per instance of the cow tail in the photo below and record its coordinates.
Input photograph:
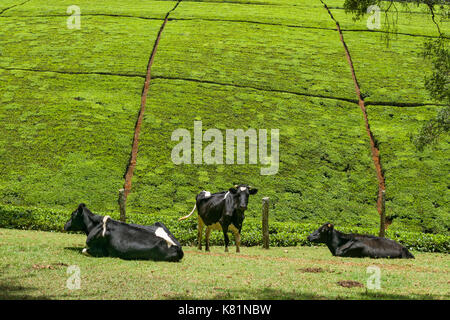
(185, 217)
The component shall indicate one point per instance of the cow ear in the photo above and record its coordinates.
(81, 207)
(232, 190)
(253, 191)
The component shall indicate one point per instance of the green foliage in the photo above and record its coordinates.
(281, 234)
(431, 131)
(269, 57)
(435, 50)
(303, 14)
(100, 45)
(359, 7)
(416, 183)
(438, 84)
(65, 139)
(131, 8)
(316, 180)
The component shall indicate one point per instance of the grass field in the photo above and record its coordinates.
(34, 265)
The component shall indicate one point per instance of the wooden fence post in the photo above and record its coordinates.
(265, 222)
(383, 214)
(122, 205)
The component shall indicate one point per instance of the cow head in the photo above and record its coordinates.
(76, 221)
(241, 193)
(321, 234)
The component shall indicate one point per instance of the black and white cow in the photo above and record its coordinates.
(108, 237)
(357, 245)
(222, 211)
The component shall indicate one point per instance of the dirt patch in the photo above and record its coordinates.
(312, 270)
(52, 266)
(350, 284)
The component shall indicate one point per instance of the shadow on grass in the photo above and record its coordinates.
(256, 294)
(75, 249)
(11, 289)
(391, 296)
(277, 294)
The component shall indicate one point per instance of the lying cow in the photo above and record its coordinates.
(108, 237)
(356, 245)
(220, 211)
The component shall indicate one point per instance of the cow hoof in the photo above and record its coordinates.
(226, 249)
(207, 249)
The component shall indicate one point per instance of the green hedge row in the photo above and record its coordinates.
(281, 233)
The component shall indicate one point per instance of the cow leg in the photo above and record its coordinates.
(225, 235)
(350, 249)
(208, 233)
(200, 232)
(237, 237)
(94, 252)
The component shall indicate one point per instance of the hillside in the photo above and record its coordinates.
(70, 100)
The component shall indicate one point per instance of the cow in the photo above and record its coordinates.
(108, 237)
(357, 245)
(222, 211)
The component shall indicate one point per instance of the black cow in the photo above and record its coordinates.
(220, 211)
(108, 237)
(357, 245)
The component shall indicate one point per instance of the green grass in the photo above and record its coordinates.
(417, 191)
(5, 4)
(390, 74)
(34, 266)
(65, 138)
(147, 9)
(303, 14)
(412, 20)
(99, 46)
(263, 56)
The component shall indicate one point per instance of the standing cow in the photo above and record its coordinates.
(222, 211)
